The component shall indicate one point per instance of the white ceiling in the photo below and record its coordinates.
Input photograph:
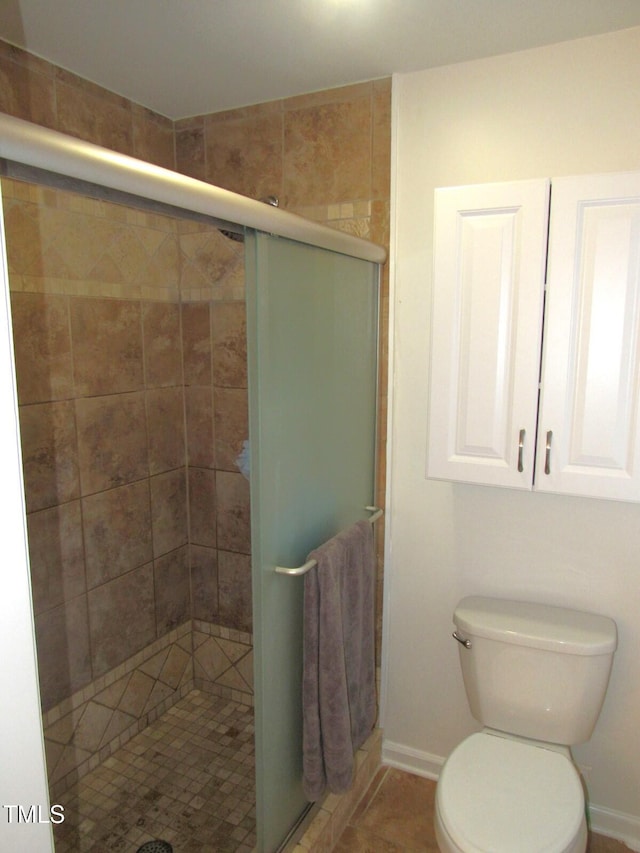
(188, 57)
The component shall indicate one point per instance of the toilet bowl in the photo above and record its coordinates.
(535, 676)
(497, 795)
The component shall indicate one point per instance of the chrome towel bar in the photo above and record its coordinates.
(301, 570)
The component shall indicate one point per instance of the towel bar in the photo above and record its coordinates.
(301, 570)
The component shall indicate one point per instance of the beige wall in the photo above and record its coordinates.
(565, 109)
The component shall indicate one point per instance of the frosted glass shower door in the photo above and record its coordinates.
(312, 335)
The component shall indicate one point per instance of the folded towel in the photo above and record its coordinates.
(338, 684)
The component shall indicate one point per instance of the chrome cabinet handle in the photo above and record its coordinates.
(463, 642)
(521, 450)
(547, 455)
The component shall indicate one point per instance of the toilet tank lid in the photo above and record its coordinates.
(541, 626)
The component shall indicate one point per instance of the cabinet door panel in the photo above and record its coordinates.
(590, 380)
(489, 259)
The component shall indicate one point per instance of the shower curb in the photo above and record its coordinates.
(325, 824)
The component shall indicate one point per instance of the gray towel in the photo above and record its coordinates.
(338, 684)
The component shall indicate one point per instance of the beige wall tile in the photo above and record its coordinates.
(62, 641)
(202, 508)
(23, 234)
(91, 113)
(209, 259)
(75, 242)
(254, 171)
(234, 590)
(233, 512)
(229, 327)
(169, 511)
(56, 555)
(174, 667)
(162, 344)
(231, 425)
(113, 693)
(160, 694)
(340, 94)
(42, 346)
(327, 153)
(131, 254)
(107, 346)
(199, 407)
(196, 337)
(136, 693)
(112, 441)
(118, 724)
(153, 137)
(154, 663)
(381, 142)
(204, 583)
(189, 123)
(93, 723)
(122, 618)
(233, 679)
(117, 531)
(71, 758)
(163, 265)
(210, 660)
(165, 429)
(26, 90)
(252, 112)
(245, 669)
(173, 603)
(49, 454)
(190, 151)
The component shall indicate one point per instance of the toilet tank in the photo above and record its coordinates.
(534, 670)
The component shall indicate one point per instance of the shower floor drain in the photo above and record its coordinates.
(156, 846)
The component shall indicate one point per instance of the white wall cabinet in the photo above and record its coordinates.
(534, 387)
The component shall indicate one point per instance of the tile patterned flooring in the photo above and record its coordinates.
(188, 779)
(396, 816)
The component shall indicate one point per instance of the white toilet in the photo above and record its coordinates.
(535, 677)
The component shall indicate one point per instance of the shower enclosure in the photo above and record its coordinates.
(152, 555)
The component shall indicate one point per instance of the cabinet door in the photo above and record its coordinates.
(489, 264)
(590, 377)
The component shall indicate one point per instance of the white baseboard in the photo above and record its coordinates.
(623, 827)
(618, 825)
(411, 760)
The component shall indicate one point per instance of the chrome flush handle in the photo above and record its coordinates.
(521, 450)
(547, 453)
(463, 642)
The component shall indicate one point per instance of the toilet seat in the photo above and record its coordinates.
(497, 795)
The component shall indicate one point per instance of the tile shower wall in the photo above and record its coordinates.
(33, 89)
(215, 375)
(116, 384)
(327, 157)
(102, 429)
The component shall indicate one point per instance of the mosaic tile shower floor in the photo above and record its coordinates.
(188, 779)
